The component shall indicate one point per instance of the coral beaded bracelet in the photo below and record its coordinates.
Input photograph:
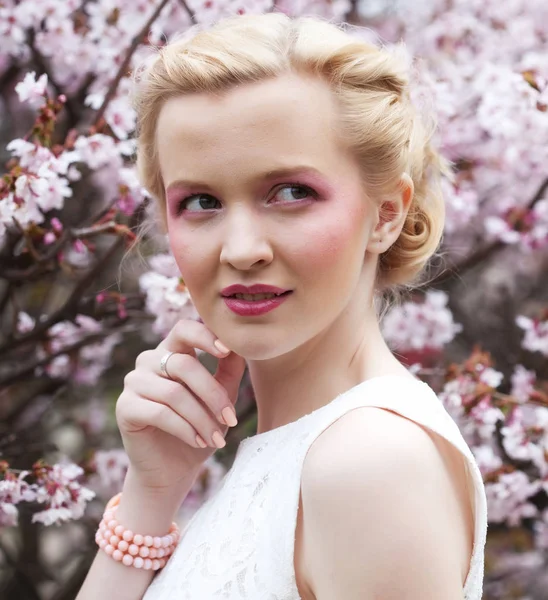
(134, 549)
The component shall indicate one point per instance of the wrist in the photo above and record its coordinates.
(133, 549)
(149, 510)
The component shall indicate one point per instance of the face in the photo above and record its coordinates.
(234, 217)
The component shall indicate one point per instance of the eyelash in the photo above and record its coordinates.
(179, 209)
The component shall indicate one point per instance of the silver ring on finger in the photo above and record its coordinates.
(163, 364)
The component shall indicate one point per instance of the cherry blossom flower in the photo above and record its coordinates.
(508, 498)
(132, 194)
(425, 326)
(487, 458)
(167, 298)
(93, 358)
(522, 383)
(65, 498)
(97, 150)
(31, 90)
(111, 467)
(525, 439)
(13, 489)
(536, 334)
(25, 322)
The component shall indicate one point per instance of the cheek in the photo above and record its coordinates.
(332, 240)
(187, 254)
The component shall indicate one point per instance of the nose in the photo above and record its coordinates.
(244, 242)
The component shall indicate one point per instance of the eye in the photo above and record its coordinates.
(206, 202)
(299, 190)
(202, 201)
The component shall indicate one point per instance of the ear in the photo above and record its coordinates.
(392, 215)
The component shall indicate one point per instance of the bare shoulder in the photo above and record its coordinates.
(403, 488)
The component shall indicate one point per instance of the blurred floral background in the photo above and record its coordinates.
(81, 296)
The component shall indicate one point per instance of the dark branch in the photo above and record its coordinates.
(69, 309)
(94, 338)
(43, 67)
(122, 71)
(190, 12)
(483, 253)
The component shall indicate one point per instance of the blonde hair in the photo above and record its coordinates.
(378, 121)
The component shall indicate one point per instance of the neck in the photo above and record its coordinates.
(350, 351)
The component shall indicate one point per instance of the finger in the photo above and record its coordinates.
(190, 372)
(229, 373)
(186, 335)
(179, 399)
(134, 413)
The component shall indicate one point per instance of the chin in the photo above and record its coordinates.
(263, 348)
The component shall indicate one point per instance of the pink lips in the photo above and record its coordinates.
(251, 308)
(256, 288)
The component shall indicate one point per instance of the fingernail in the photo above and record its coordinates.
(218, 440)
(221, 347)
(200, 441)
(229, 416)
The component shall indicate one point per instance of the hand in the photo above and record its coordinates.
(159, 418)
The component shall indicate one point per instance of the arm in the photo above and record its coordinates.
(142, 512)
(382, 518)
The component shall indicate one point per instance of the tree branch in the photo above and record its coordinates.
(190, 12)
(40, 266)
(93, 338)
(69, 308)
(43, 67)
(44, 386)
(125, 64)
(483, 253)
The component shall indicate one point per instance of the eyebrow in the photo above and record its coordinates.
(273, 174)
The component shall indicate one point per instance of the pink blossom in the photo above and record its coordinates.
(522, 383)
(132, 193)
(64, 497)
(536, 334)
(92, 359)
(92, 415)
(491, 377)
(487, 458)
(9, 515)
(32, 91)
(121, 116)
(485, 417)
(25, 322)
(13, 490)
(421, 326)
(12, 33)
(78, 255)
(165, 265)
(112, 466)
(33, 156)
(56, 224)
(97, 150)
(462, 204)
(508, 498)
(167, 300)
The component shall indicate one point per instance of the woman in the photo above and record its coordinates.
(286, 153)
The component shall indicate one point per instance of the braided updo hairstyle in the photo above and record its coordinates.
(377, 119)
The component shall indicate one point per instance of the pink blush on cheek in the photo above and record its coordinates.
(181, 251)
(331, 235)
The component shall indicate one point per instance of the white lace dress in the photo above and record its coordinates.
(240, 543)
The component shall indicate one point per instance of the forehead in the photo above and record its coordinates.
(293, 117)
